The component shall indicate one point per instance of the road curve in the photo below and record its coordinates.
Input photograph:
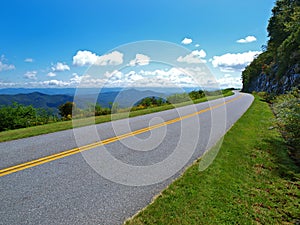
(91, 186)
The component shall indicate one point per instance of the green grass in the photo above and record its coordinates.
(65, 125)
(251, 181)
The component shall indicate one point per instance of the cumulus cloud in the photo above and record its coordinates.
(247, 39)
(175, 76)
(186, 41)
(140, 60)
(7, 84)
(59, 67)
(4, 66)
(197, 45)
(87, 58)
(31, 75)
(194, 57)
(74, 81)
(234, 62)
(229, 81)
(51, 74)
(28, 60)
(58, 83)
(115, 73)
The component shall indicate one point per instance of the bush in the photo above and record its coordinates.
(178, 98)
(99, 110)
(17, 116)
(287, 110)
(268, 97)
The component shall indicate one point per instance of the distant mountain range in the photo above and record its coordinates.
(36, 99)
(54, 91)
(72, 91)
(51, 102)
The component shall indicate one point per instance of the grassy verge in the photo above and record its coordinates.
(65, 125)
(251, 181)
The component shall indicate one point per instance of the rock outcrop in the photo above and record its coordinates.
(272, 84)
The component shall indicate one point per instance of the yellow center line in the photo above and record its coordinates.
(73, 151)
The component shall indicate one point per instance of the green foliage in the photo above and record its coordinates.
(17, 116)
(287, 110)
(151, 102)
(196, 94)
(65, 110)
(288, 52)
(261, 63)
(99, 110)
(178, 98)
(268, 97)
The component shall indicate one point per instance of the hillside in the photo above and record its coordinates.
(36, 99)
(125, 98)
(277, 69)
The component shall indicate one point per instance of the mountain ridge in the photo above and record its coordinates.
(124, 98)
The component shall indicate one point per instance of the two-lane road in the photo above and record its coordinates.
(117, 169)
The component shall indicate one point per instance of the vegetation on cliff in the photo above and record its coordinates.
(281, 56)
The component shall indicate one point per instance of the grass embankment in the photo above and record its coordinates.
(252, 180)
(65, 125)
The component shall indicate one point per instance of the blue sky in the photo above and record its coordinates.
(43, 43)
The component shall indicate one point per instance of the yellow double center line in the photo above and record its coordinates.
(73, 151)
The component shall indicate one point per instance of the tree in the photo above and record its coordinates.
(65, 110)
(114, 107)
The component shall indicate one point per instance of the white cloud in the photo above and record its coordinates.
(234, 62)
(186, 41)
(51, 74)
(76, 79)
(58, 83)
(197, 45)
(87, 58)
(194, 57)
(247, 39)
(31, 75)
(115, 73)
(113, 58)
(7, 84)
(72, 82)
(229, 81)
(201, 53)
(184, 77)
(59, 67)
(140, 59)
(84, 58)
(4, 66)
(28, 60)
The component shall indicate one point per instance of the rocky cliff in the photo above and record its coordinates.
(271, 83)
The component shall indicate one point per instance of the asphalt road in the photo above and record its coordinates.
(112, 181)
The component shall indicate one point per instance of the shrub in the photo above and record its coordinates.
(287, 110)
